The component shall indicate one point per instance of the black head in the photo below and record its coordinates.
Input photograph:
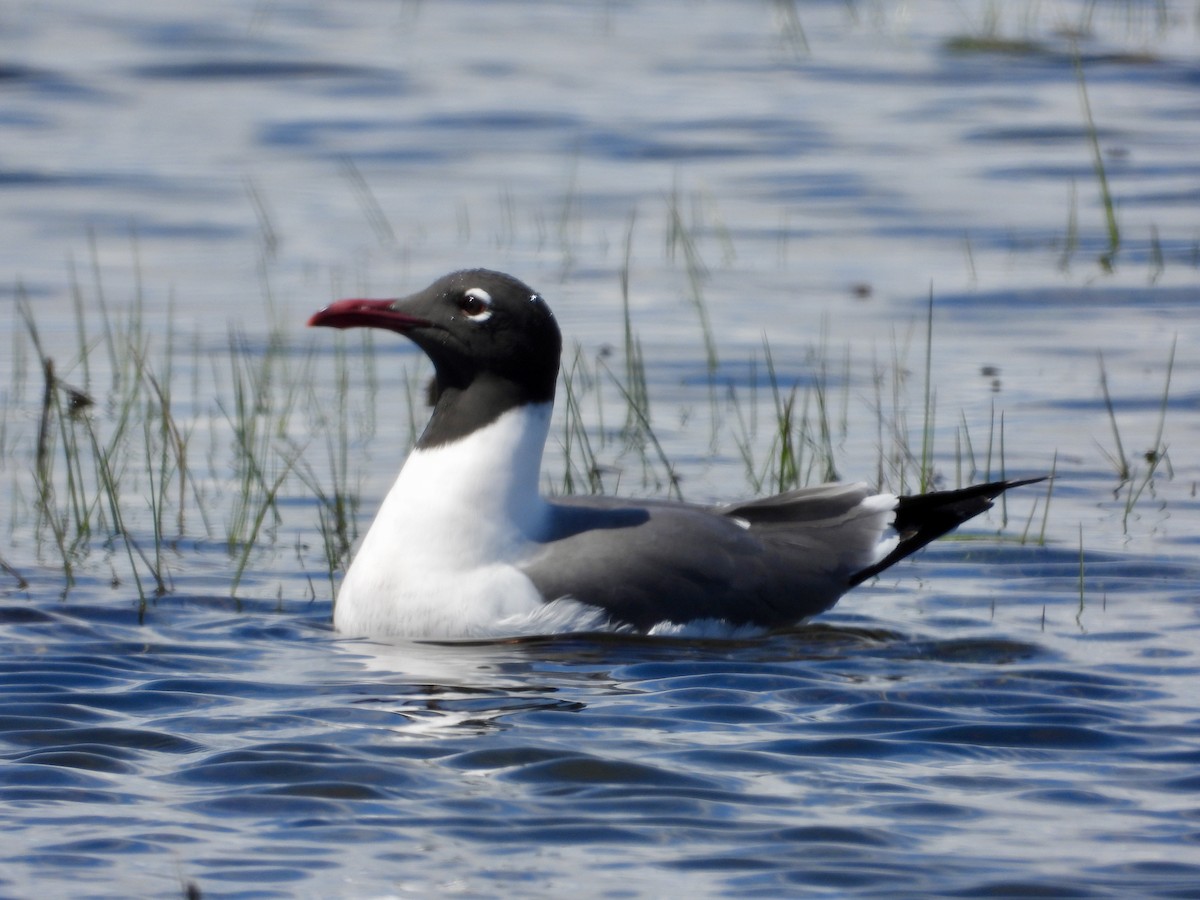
(492, 339)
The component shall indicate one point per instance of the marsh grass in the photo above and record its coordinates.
(1071, 239)
(1112, 229)
(1156, 455)
(118, 471)
(372, 209)
(1132, 481)
(801, 441)
(581, 469)
(681, 238)
(1041, 538)
(927, 422)
(790, 28)
(635, 363)
(1066, 49)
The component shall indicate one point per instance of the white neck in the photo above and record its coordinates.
(491, 475)
(457, 514)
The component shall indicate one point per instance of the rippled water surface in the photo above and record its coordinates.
(787, 190)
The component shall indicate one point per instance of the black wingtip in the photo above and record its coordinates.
(922, 518)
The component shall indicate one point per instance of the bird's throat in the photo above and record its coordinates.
(459, 412)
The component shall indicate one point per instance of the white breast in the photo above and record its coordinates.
(439, 559)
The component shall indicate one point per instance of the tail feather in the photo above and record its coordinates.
(923, 518)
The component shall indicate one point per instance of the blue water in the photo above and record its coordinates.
(253, 754)
(1010, 715)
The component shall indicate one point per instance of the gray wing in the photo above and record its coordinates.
(769, 562)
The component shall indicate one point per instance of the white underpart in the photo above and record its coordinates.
(439, 561)
(563, 616)
(706, 629)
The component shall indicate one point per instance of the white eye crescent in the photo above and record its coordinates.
(476, 304)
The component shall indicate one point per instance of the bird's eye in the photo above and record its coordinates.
(476, 304)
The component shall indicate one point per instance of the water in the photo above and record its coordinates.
(997, 717)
